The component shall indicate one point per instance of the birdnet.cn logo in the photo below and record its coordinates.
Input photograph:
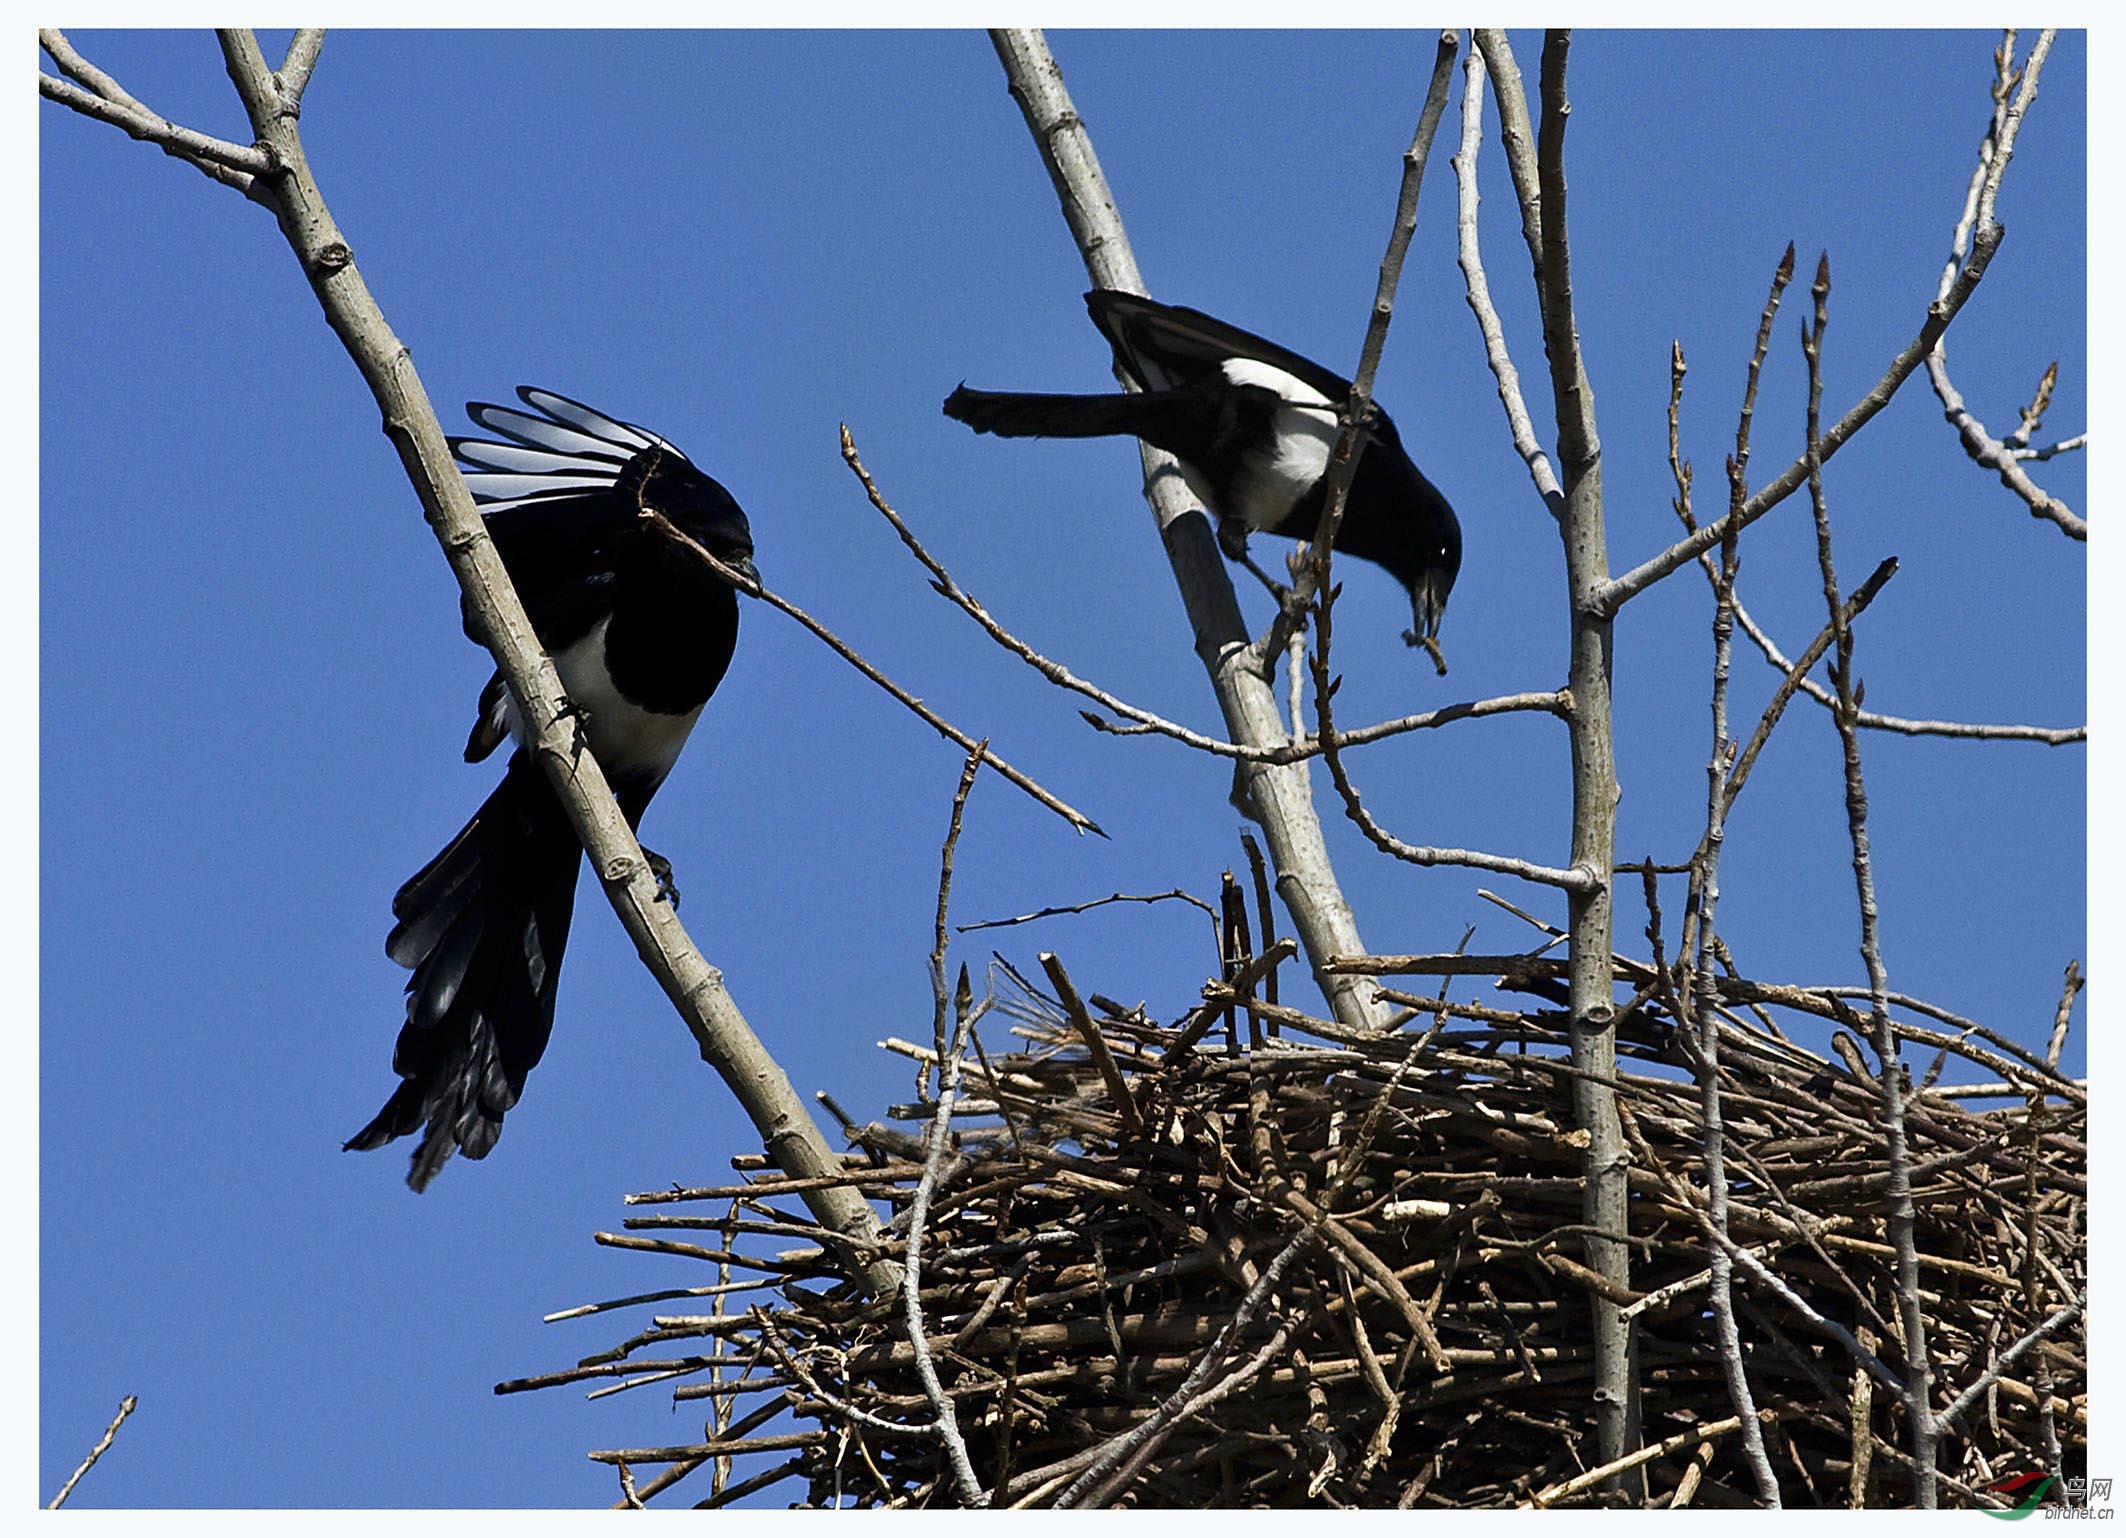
(2076, 1497)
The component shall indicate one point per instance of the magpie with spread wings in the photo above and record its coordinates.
(641, 632)
(1253, 425)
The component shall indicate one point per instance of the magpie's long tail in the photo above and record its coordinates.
(1180, 421)
(483, 926)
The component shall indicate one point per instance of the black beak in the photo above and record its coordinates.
(1427, 608)
(745, 568)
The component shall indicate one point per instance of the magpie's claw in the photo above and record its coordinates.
(661, 868)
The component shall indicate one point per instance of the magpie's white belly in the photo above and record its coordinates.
(1276, 476)
(630, 742)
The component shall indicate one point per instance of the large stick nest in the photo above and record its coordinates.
(1426, 1341)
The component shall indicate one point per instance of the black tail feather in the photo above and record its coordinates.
(483, 926)
(1182, 422)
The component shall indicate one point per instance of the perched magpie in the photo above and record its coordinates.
(1253, 426)
(641, 631)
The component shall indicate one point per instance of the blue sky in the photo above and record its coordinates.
(253, 688)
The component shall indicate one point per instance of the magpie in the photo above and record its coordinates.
(1253, 426)
(641, 631)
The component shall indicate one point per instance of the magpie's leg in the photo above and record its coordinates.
(1276, 589)
(1233, 542)
(661, 868)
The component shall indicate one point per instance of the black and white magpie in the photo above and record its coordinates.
(641, 631)
(1253, 426)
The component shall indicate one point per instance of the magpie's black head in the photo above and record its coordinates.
(1434, 579)
(666, 482)
(1399, 519)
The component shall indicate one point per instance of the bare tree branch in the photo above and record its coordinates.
(849, 654)
(1711, 1431)
(1796, 674)
(126, 1407)
(1313, 577)
(2064, 446)
(293, 76)
(1571, 880)
(1592, 1012)
(2007, 1359)
(1994, 152)
(1875, 720)
(1701, 930)
(1517, 139)
(2069, 987)
(1918, 1390)
(1279, 796)
(1086, 907)
(1619, 590)
(1556, 703)
(942, 1001)
(1479, 290)
(99, 96)
(937, 1139)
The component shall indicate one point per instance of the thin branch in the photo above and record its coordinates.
(1573, 879)
(1705, 898)
(1517, 139)
(1918, 1370)
(1086, 907)
(1988, 451)
(2032, 416)
(2069, 987)
(1620, 590)
(1960, 1023)
(2064, 446)
(1578, 444)
(952, 839)
(1479, 290)
(937, 1140)
(1876, 721)
(2011, 123)
(1797, 673)
(1357, 410)
(102, 98)
(1994, 152)
(126, 1407)
(1145, 722)
(62, 52)
(947, 586)
(1711, 1431)
(1551, 702)
(2007, 1359)
(849, 654)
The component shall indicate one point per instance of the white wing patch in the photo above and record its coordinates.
(631, 743)
(1274, 478)
(486, 487)
(596, 423)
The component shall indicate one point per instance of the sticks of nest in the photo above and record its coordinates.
(1163, 1269)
